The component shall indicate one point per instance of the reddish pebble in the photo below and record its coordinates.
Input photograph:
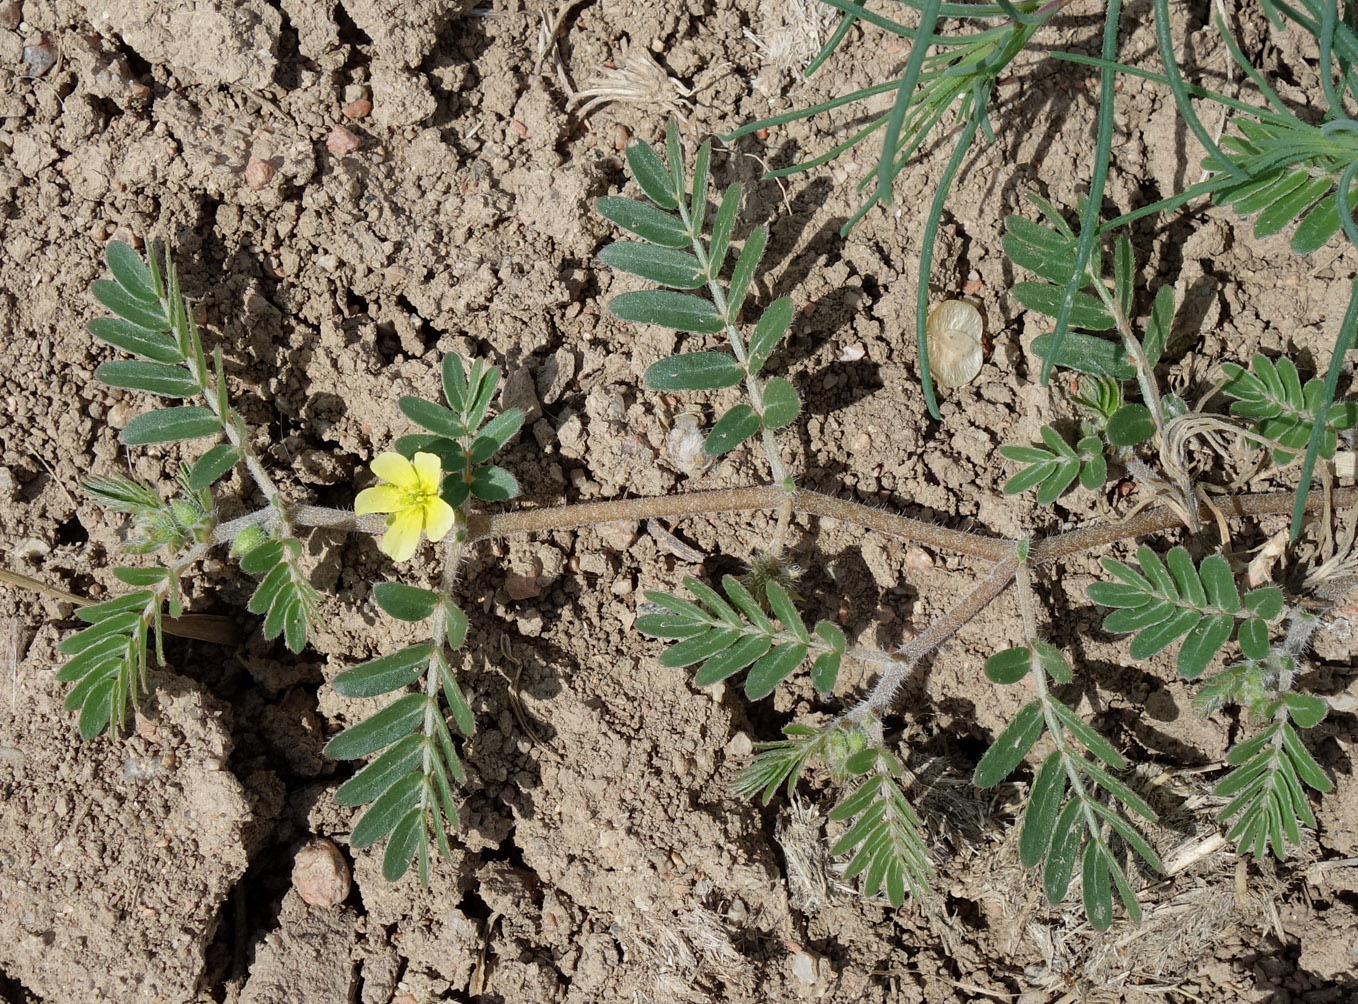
(341, 142)
(320, 874)
(972, 286)
(359, 109)
(518, 127)
(258, 173)
(761, 134)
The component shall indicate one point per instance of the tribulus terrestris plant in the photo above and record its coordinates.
(436, 483)
(1281, 165)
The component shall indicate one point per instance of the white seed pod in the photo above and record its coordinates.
(954, 333)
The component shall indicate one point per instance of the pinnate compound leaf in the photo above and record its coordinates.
(681, 311)
(737, 425)
(407, 603)
(695, 371)
(1010, 747)
(170, 425)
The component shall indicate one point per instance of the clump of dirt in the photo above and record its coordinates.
(355, 188)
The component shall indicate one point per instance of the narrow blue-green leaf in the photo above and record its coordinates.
(652, 175)
(771, 669)
(733, 660)
(1320, 224)
(403, 844)
(697, 213)
(170, 425)
(153, 345)
(95, 613)
(668, 626)
(784, 609)
(722, 228)
(647, 222)
(268, 589)
(1117, 594)
(1186, 577)
(769, 331)
(825, 671)
(1136, 618)
(1029, 477)
(695, 371)
(1044, 805)
(1067, 836)
(737, 425)
(681, 311)
(1091, 740)
(742, 275)
(397, 719)
(407, 603)
(431, 416)
(112, 649)
(130, 271)
(128, 307)
(1061, 477)
(385, 674)
(457, 704)
(1010, 747)
(402, 757)
(781, 404)
(666, 266)
(387, 810)
(1300, 758)
(1088, 354)
(1202, 643)
(495, 433)
(97, 709)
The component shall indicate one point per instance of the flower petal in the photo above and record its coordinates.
(396, 470)
(429, 469)
(403, 535)
(381, 498)
(439, 518)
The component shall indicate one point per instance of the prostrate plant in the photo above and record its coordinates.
(153, 322)
(431, 486)
(1172, 598)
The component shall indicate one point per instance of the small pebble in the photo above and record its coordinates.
(341, 142)
(621, 137)
(359, 109)
(258, 173)
(761, 134)
(522, 587)
(11, 13)
(918, 559)
(39, 57)
(320, 874)
(518, 127)
(6, 484)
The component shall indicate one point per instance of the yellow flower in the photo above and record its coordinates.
(409, 491)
